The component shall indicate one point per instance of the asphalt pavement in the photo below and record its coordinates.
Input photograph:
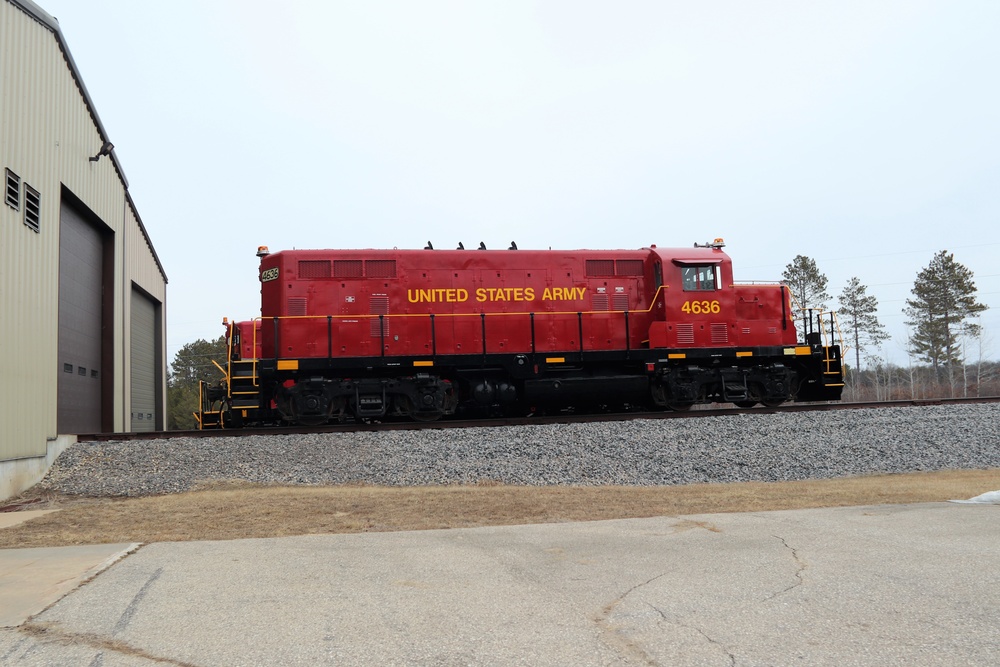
(883, 585)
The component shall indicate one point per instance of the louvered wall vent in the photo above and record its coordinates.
(32, 208)
(12, 190)
(379, 305)
(297, 306)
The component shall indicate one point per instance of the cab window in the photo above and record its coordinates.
(699, 278)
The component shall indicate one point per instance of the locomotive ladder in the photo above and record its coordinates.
(244, 390)
(242, 393)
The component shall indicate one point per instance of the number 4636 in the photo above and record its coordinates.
(701, 307)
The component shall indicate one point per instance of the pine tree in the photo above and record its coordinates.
(859, 319)
(944, 296)
(807, 285)
(192, 363)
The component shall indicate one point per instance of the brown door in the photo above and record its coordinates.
(81, 369)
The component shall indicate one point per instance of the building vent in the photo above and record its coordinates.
(628, 267)
(720, 333)
(32, 208)
(314, 268)
(380, 268)
(12, 190)
(685, 334)
(348, 268)
(379, 305)
(600, 267)
(297, 306)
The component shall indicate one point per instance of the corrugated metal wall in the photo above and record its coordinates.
(47, 134)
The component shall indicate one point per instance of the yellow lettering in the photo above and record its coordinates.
(462, 295)
(529, 293)
(547, 295)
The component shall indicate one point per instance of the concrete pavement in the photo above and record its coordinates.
(906, 584)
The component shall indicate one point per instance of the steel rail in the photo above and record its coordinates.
(560, 418)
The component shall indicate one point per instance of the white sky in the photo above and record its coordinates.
(865, 135)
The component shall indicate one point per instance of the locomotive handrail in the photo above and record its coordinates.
(819, 314)
(530, 315)
(830, 333)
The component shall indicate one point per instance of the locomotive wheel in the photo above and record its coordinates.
(744, 404)
(426, 416)
(420, 415)
(678, 406)
(311, 420)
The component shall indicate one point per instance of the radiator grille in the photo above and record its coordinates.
(685, 334)
(720, 333)
(380, 268)
(314, 268)
(348, 268)
(600, 267)
(628, 267)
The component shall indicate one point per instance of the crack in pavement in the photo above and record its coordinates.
(800, 565)
(130, 610)
(711, 640)
(51, 632)
(612, 634)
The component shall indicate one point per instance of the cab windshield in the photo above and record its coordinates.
(699, 278)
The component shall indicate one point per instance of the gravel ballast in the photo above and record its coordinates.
(739, 448)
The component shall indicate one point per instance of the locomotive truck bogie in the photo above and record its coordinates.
(318, 400)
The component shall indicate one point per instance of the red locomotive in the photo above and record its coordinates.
(422, 334)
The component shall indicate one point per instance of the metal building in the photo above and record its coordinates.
(82, 292)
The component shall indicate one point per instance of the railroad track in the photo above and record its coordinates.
(562, 418)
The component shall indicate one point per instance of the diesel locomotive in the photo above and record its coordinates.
(425, 334)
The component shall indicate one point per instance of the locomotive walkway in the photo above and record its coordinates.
(901, 584)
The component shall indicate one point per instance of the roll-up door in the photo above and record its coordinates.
(81, 368)
(143, 357)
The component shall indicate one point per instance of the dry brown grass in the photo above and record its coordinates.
(232, 511)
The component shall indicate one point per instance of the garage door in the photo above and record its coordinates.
(144, 355)
(81, 268)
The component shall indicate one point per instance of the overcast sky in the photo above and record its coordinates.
(863, 134)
